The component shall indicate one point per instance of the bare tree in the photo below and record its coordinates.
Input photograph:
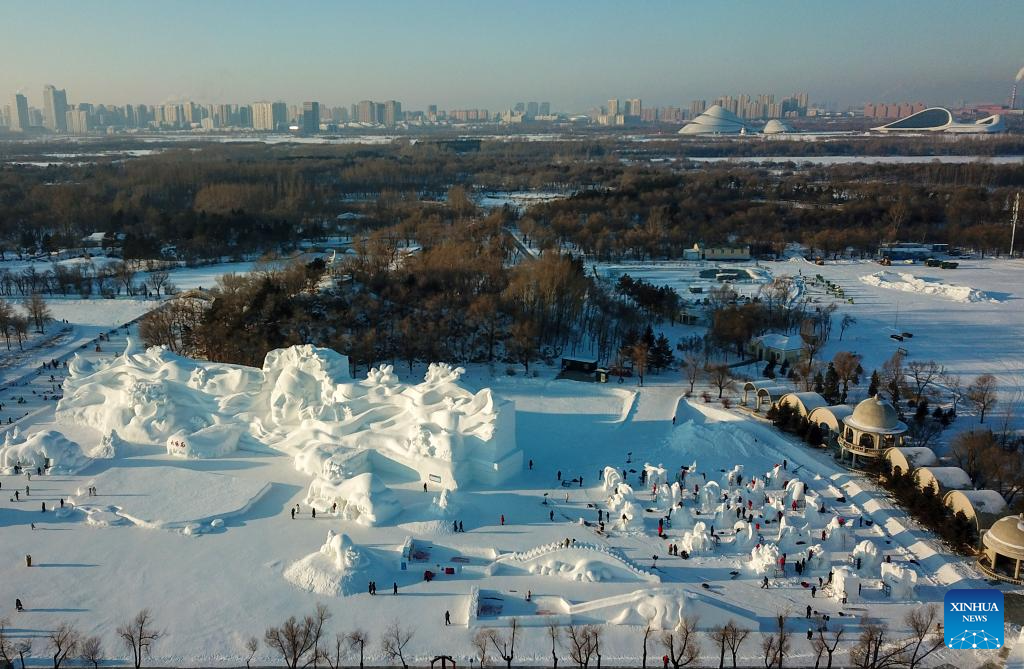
(298, 641)
(581, 644)
(982, 394)
(394, 641)
(681, 644)
(826, 645)
(63, 642)
(357, 640)
(926, 636)
(252, 644)
(893, 376)
(647, 633)
(693, 367)
(874, 650)
(481, 642)
(334, 654)
(125, 273)
(555, 634)
(770, 650)
(776, 646)
(7, 649)
(955, 387)
(846, 365)
(91, 651)
(923, 373)
(38, 311)
(505, 645)
(845, 324)
(23, 648)
(138, 635)
(719, 634)
(640, 355)
(157, 279)
(720, 377)
(737, 635)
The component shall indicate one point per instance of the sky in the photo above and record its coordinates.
(457, 54)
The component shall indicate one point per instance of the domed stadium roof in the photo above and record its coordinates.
(717, 120)
(877, 416)
(1006, 536)
(940, 119)
(776, 127)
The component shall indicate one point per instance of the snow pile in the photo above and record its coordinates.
(363, 499)
(32, 452)
(922, 285)
(110, 445)
(332, 570)
(210, 442)
(901, 581)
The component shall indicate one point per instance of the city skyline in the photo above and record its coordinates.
(576, 54)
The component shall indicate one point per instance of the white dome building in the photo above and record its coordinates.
(1003, 549)
(777, 127)
(716, 120)
(872, 428)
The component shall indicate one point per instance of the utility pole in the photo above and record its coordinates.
(1013, 230)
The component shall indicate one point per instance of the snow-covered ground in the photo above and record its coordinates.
(210, 545)
(218, 560)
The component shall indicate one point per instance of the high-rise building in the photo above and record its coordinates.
(698, 107)
(392, 113)
(613, 107)
(367, 112)
(310, 118)
(545, 109)
(269, 116)
(532, 109)
(244, 116)
(20, 121)
(77, 121)
(55, 106)
(634, 107)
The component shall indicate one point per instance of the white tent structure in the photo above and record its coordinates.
(717, 120)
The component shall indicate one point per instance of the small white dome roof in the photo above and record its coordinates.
(775, 127)
(877, 416)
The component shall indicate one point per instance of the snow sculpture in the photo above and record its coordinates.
(612, 478)
(764, 558)
(32, 452)
(745, 537)
(697, 540)
(336, 569)
(656, 475)
(901, 581)
(845, 584)
(363, 499)
(624, 513)
(110, 445)
(303, 403)
(870, 559)
(710, 496)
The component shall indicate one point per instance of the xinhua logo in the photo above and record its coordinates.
(973, 619)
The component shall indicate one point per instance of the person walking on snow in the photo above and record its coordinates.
(394, 588)
(502, 519)
(551, 515)
(293, 513)
(447, 618)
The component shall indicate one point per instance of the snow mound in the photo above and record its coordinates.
(33, 451)
(167, 497)
(363, 499)
(332, 570)
(926, 286)
(901, 580)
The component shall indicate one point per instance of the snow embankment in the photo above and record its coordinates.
(926, 286)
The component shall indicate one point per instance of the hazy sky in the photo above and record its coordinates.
(492, 54)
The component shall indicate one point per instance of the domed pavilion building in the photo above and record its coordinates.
(873, 428)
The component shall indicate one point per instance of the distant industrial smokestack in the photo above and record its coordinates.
(1013, 91)
(1020, 74)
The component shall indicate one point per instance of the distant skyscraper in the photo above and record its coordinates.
(269, 116)
(633, 107)
(77, 121)
(19, 113)
(55, 106)
(532, 109)
(392, 113)
(613, 107)
(310, 118)
(367, 113)
(545, 108)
